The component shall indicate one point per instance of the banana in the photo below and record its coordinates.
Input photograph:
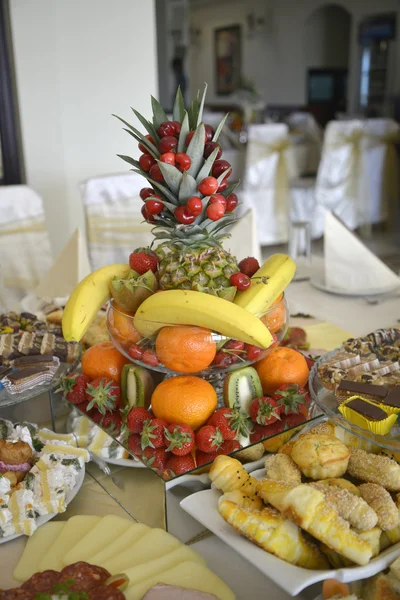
(87, 299)
(182, 307)
(278, 272)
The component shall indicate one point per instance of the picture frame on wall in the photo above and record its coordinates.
(228, 59)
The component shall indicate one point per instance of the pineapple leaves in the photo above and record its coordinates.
(195, 150)
(183, 134)
(172, 176)
(187, 188)
(200, 113)
(129, 160)
(163, 190)
(193, 112)
(206, 168)
(224, 175)
(230, 189)
(179, 106)
(152, 149)
(220, 128)
(149, 127)
(159, 116)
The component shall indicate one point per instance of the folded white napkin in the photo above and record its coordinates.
(350, 265)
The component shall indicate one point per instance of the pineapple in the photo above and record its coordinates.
(181, 162)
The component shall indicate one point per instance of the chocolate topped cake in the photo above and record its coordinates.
(367, 410)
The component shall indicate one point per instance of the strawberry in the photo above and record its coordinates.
(249, 266)
(209, 439)
(178, 465)
(149, 357)
(95, 415)
(291, 398)
(112, 423)
(155, 458)
(203, 458)
(153, 433)
(73, 387)
(142, 260)
(135, 444)
(252, 352)
(231, 422)
(296, 337)
(293, 420)
(310, 361)
(104, 394)
(229, 446)
(265, 410)
(261, 432)
(179, 439)
(136, 418)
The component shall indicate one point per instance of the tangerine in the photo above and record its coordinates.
(186, 348)
(121, 325)
(184, 400)
(275, 318)
(282, 365)
(103, 360)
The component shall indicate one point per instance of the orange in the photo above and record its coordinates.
(185, 348)
(282, 365)
(184, 400)
(274, 319)
(103, 360)
(331, 587)
(121, 326)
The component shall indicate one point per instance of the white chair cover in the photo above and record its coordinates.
(244, 239)
(269, 167)
(25, 253)
(114, 222)
(306, 135)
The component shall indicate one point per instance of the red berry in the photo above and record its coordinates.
(183, 216)
(228, 447)
(194, 206)
(203, 458)
(156, 459)
(178, 465)
(223, 360)
(310, 361)
(153, 433)
(104, 394)
(209, 149)
(142, 260)
(183, 161)
(189, 137)
(136, 418)
(231, 202)
(249, 266)
(146, 215)
(146, 161)
(166, 129)
(177, 128)
(218, 198)
(155, 173)
(144, 148)
(154, 207)
(253, 352)
(150, 358)
(293, 420)
(265, 411)
(95, 415)
(74, 387)
(209, 439)
(215, 211)
(261, 432)
(168, 157)
(146, 192)
(208, 186)
(241, 281)
(112, 423)
(135, 445)
(179, 439)
(167, 144)
(222, 419)
(221, 166)
(209, 132)
(223, 185)
(291, 398)
(135, 351)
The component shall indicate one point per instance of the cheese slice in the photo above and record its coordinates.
(102, 534)
(181, 554)
(35, 547)
(46, 435)
(82, 428)
(75, 529)
(104, 445)
(121, 543)
(66, 450)
(190, 575)
(54, 503)
(152, 545)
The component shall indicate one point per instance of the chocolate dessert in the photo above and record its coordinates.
(367, 410)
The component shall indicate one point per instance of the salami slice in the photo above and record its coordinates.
(42, 582)
(104, 592)
(18, 594)
(85, 576)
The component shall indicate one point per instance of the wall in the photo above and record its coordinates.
(76, 64)
(275, 60)
(327, 34)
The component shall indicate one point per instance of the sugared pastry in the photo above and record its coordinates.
(373, 468)
(381, 502)
(281, 467)
(320, 456)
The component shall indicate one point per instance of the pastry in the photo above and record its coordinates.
(308, 508)
(331, 376)
(237, 497)
(372, 536)
(342, 483)
(347, 388)
(275, 534)
(228, 474)
(320, 456)
(39, 360)
(392, 400)
(381, 501)
(281, 467)
(27, 378)
(368, 415)
(374, 469)
(379, 588)
(55, 316)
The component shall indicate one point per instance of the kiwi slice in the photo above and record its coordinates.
(241, 387)
(137, 386)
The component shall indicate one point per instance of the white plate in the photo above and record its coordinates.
(203, 507)
(318, 281)
(45, 518)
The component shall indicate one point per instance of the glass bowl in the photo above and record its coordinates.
(188, 349)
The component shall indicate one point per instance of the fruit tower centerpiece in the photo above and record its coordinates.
(187, 308)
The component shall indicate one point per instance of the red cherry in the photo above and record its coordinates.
(177, 127)
(143, 148)
(231, 202)
(135, 352)
(223, 360)
(209, 149)
(165, 129)
(146, 192)
(234, 345)
(220, 166)
(155, 173)
(241, 281)
(146, 161)
(189, 137)
(183, 161)
(150, 358)
(167, 144)
(218, 198)
(208, 186)
(215, 211)
(154, 207)
(253, 352)
(194, 206)
(146, 214)
(168, 157)
(223, 185)
(183, 216)
(209, 132)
